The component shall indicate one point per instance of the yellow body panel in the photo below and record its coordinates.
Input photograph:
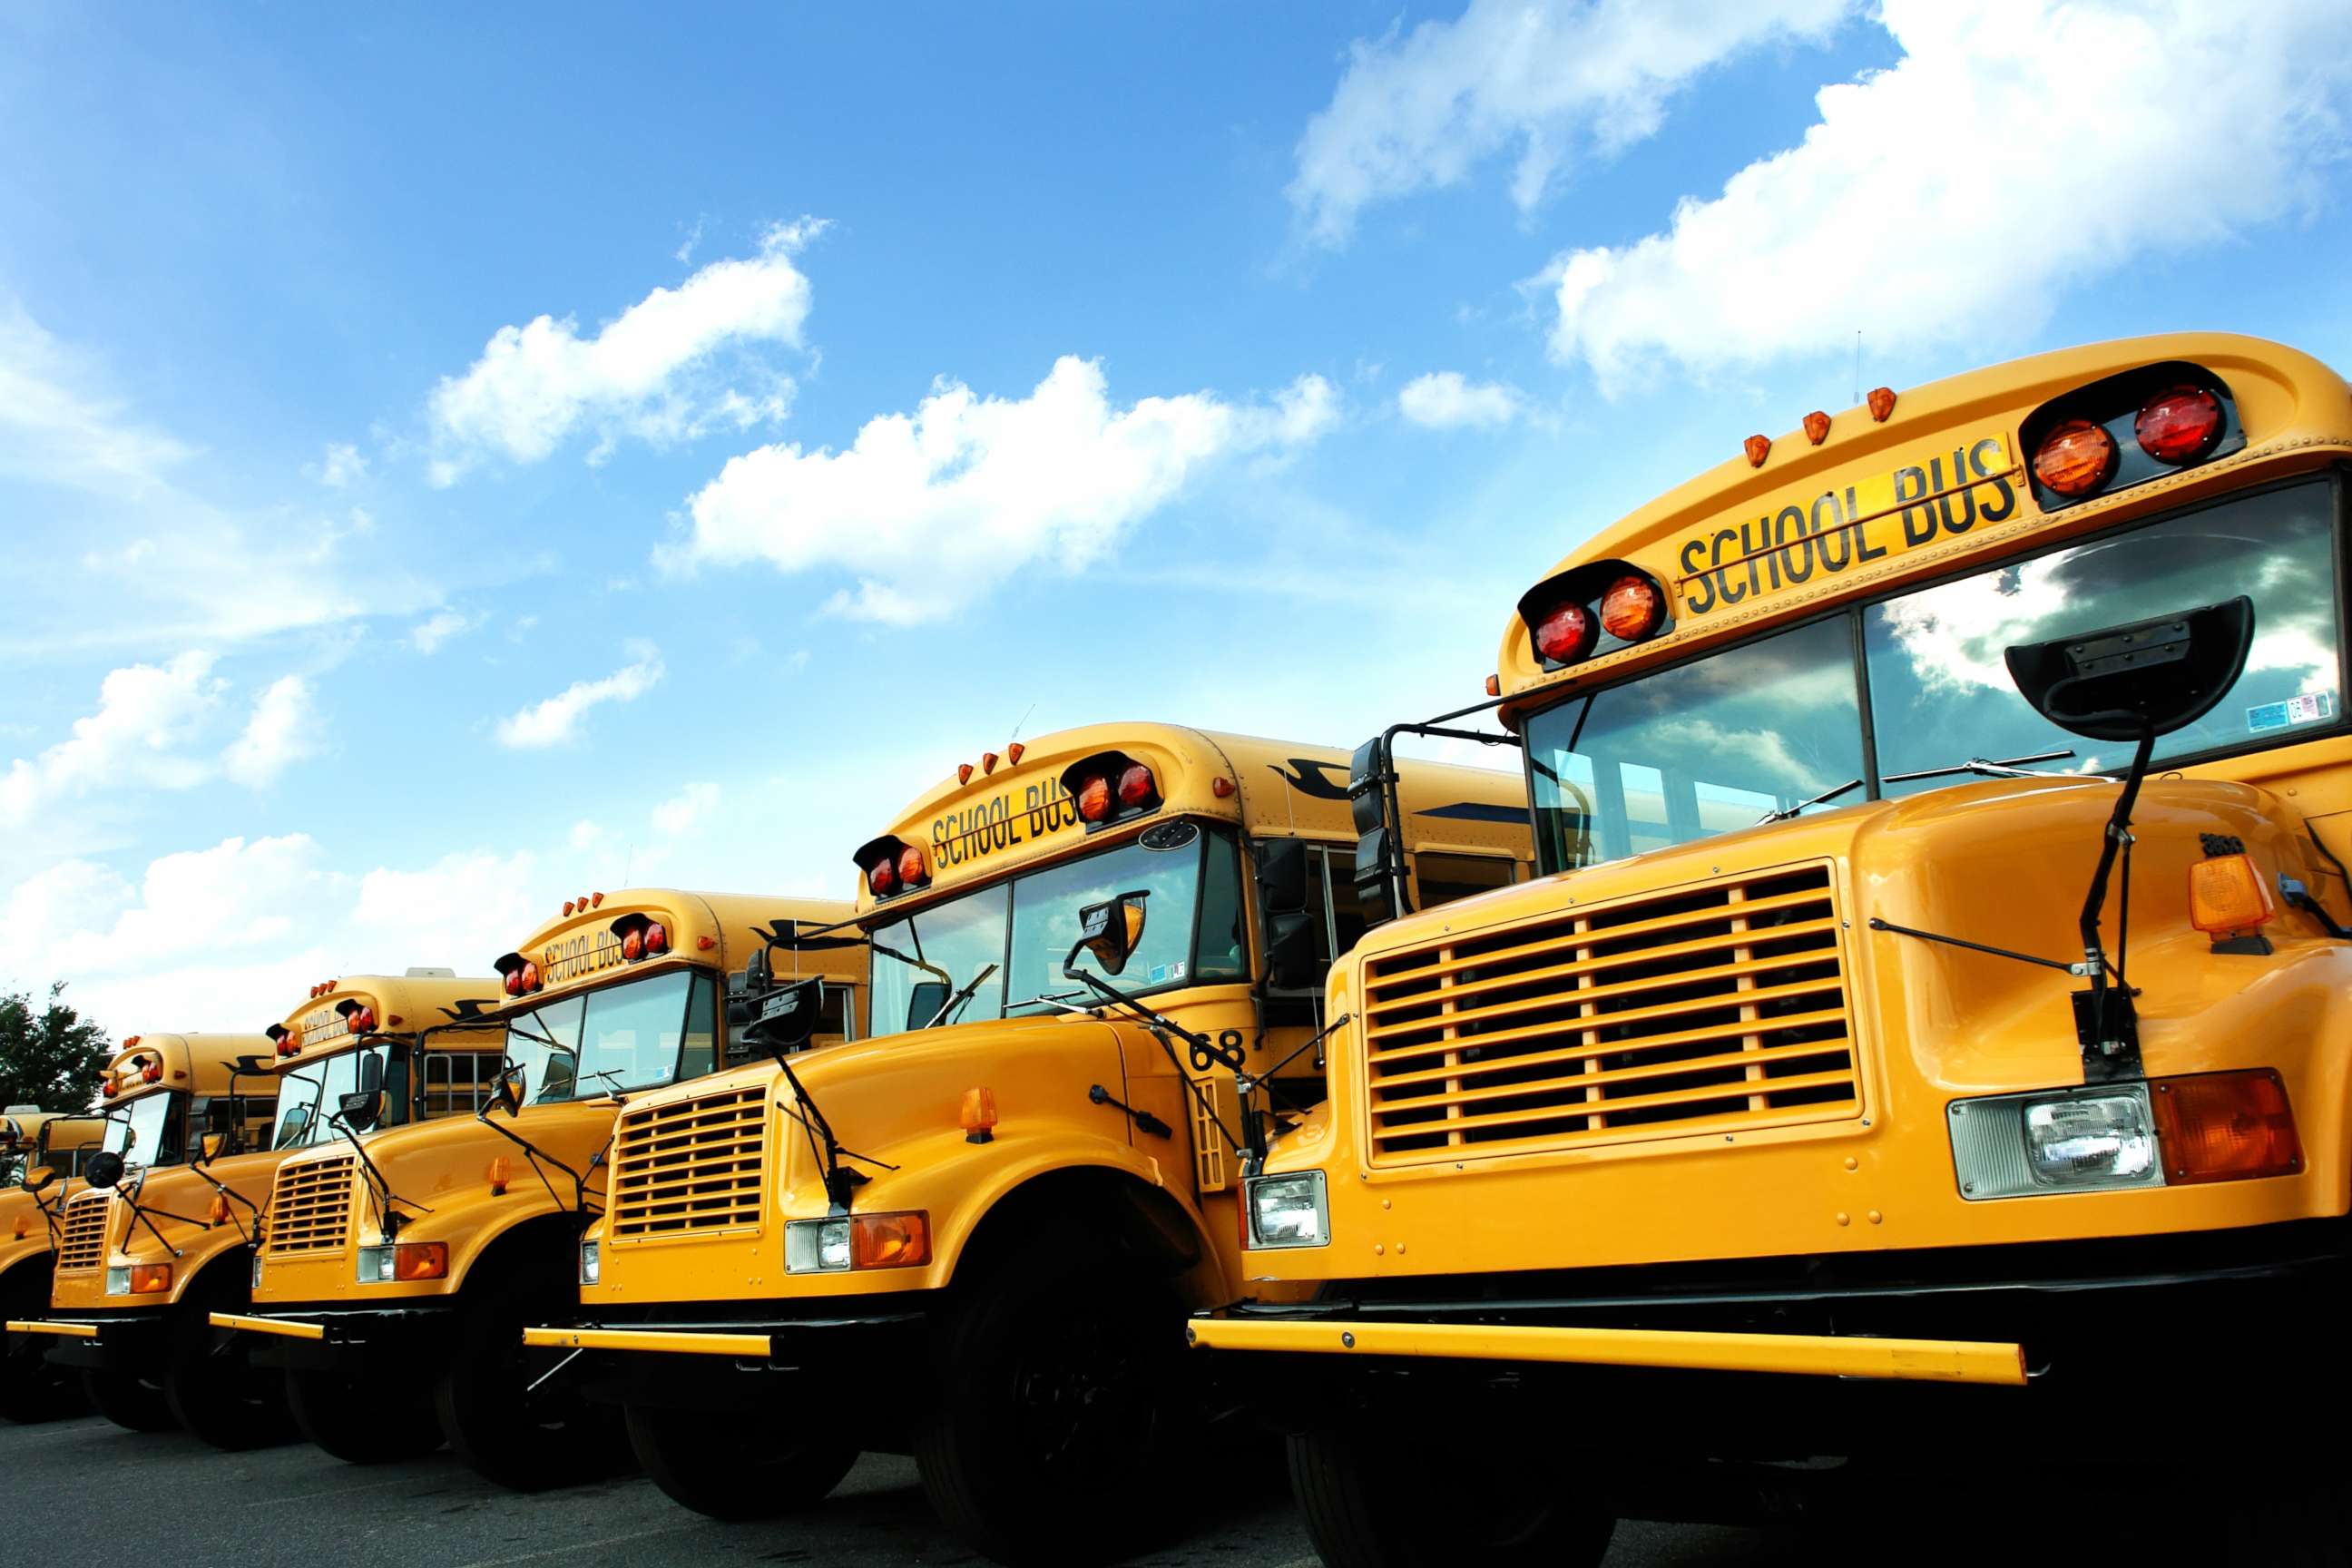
(54, 1137)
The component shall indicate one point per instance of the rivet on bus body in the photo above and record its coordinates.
(1384, 1203)
(1877, 1218)
(1845, 1218)
(1852, 1164)
(1348, 1339)
(1399, 1249)
(1378, 1250)
(1191, 1335)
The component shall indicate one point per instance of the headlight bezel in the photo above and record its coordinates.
(592, 1262)
(1994, 1157)
(811, 1245)
(1308, 1185)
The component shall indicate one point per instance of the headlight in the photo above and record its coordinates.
(2083, 1140)
(1289, 1211)
(592, 1262)
(403, 1262)
(139, 1280)
(817, 1245)
(118, 1281)
(256, 1270)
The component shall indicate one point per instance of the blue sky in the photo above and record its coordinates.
(451, 462)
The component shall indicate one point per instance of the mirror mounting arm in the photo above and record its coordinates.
(1251, 1142)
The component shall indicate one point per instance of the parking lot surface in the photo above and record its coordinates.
(85, 1490)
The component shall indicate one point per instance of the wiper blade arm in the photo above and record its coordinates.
(2009, 768)
(955, 1003)
(1786, 812)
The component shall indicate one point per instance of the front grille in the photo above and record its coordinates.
(1699, 1009)
(81, 1242)
(689, 1165)
(311, 1208)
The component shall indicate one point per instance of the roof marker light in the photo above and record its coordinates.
(1494, 685)
(1882, 403)
(1758, 448)
(963, 773)
(1817, 426)
(595, 900)
(988, 762)
(1012, 751)
(1220, 786)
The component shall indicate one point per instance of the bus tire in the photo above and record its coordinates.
(734, 1470)
(214, 1389)
(354, 1420)
(32, 1388)
(1396, 1505)
(1057, 1384)
(521, 1441)
(133, 1403)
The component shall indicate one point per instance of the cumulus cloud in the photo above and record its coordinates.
(428, 635)
(461, 911)
(281, 730)
(341, 465)
(1885, 216)
(1442, 400)
(928, 509)
(559, 717)
(147, 717)
(1550, 79)
(651, 372)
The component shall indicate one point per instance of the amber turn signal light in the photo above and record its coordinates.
(978, 1116)
(2075, 458)
(421, 1260)
(2225, 1127)
(1631, 609)
(150, 1279)
(218, 1213)
(2227, 894)
(890, 1240)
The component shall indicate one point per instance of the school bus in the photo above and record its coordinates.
(974, 1235)
(1927, 1040)
(41, 1154)
(394, 1288)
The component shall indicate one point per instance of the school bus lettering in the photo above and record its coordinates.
(1942, 496)
(588, 953)
(323, 1026)
(984, 827)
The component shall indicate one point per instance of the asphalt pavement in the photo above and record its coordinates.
(85, 1490)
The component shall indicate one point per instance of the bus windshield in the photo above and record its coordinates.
(147, 1131)
(638, 1033)
(997, 952)
(310, 1097)
(1718, 743)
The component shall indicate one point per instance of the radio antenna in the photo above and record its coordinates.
(1023, 720)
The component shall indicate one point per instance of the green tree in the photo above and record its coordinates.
(51, 1058)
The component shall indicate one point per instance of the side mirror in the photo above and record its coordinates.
(1292, 961)
(1108, 931)
(758, 973)
(371, 1071)
(103, 1169)
(924, 1002)
(1380, 865)
(362, 1109)
(506, 1093)
(209, 1147)
(2146, 679)
(38, 1177)
(783, 1020)
(1281, 875)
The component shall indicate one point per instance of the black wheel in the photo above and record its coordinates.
(1058, 1393)
(213, 1388)
(31, 1387)
(1402, 1502)
(730, 1469)
(361, 1423)
(132, 1401)
(493, 1419)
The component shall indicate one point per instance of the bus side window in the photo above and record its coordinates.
(1223, 953)
(458, 1083)
(833, 1015)
(253, 1123)
(1441, 878)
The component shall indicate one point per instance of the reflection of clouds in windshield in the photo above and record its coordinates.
(2304, 643)
(1953, 634)
(1766, 751)
(1766, 675)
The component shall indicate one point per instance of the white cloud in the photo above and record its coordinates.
(558, 719)
(147, 716)
(1546, 77)
(212, 902)
(2015, 149)
(281, 730)
(689, 808)
(58, 428)
(428, 635)
(461, 912)
(341, 465)
(1442, 400)
(930, 510)
(647, 373)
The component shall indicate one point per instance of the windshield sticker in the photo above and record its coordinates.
(2311, 708)
(1891, 513)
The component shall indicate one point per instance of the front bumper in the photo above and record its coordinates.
(340, 1338)
(125, 1341)
(680, 1355)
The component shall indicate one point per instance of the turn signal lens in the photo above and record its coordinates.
(633, 946)
(514, 981)
(2225, 1127)
(111, 1091)
(882, 878)
(530, 977)
(499, 1174)
(1565, 634)
(656, 939)
(2227, 894)
(421, 1260)
(890, 1240)
(2075, 458)
(218, 1213)
(1136, 785)
(363, 1021)
(1632, 609)
(154, 1073)
(911, 870)
(149, 1279)
(1093, 798)
(2178, 424)
(979, 1111)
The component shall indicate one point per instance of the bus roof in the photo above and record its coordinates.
(22, 1129)
(402, 1003)
(1015, 810)
(585, 944)
(191, 1063)
(2294, 411)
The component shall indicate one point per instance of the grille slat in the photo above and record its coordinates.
(310, 1207)
(690, 1165)
(1707, 1008)
(81, 1240)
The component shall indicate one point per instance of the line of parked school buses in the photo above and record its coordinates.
(1894, 1018)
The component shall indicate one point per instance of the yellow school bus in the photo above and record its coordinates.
(974, 1235)
(41, 1153)
(394, 1288)
(1927, 1038)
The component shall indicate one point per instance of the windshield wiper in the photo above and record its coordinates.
(2011, 768)
(839, 1181)
(949, 1008)
(1786, 811)
(1056, 998)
